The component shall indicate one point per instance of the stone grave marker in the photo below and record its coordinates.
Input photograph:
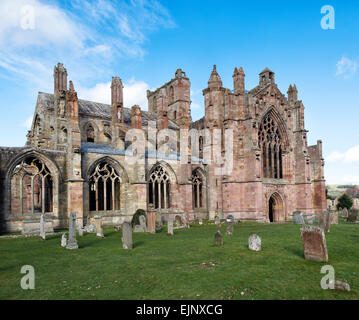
(217, 220)
(151, 219)
(324, 221)
(200, 221)
(254, 243)
(314, 244)
(142, 227)
(345, 213)
(230, 219)
(72, 243)
(98, 225)
(334, 217)
(81, 231)
(63, 240)
(127, 236)
(170, 227)
(297, 217)
(308, 218)
(353, 215)
(218, 238)
(229, 230)
(178, 221)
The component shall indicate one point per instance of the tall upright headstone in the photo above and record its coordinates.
(72, 242)
(218, 238)
(314, 244)
(42, 227)
(142, 226)
(324, 221)
(170, 227)
(127, 236)
(151, 219)
(98, 224)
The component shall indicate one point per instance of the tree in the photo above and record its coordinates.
(344, 201)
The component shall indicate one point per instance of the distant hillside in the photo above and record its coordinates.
(335, 190)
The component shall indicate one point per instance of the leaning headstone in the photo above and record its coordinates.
(324, 221)
(142, 226)
(42, 227)
(353, 215)
(72, 243)
(170, 227)
(254, 243)
(127, 236)
(63, 240)
(229, 230)
(218, 238)
(298, 217)
(314, 244)
(98, 224)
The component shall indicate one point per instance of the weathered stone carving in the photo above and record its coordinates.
(314, 244)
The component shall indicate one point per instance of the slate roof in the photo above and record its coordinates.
(101, 110)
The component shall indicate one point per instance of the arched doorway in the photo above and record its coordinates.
(276, 208)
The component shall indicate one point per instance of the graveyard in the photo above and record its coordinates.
(185, 265)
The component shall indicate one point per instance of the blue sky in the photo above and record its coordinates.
(144, 42)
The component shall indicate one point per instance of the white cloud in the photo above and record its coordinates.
(346, 67)
(134, 92)
(28, 122)
(349, 156)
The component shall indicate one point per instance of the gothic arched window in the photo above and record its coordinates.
(159, 188)
(104, 188)
(197, 190)
(270, 143)
(31, 187)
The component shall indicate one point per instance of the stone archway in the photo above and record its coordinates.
(276, 208)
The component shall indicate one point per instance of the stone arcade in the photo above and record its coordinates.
(74, 158)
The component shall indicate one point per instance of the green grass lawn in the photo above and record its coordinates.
(164, 267)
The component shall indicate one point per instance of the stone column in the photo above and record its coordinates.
(72, 243)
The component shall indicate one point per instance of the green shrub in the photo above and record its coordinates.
(136, 216)
(344, 201)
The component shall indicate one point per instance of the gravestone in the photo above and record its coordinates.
(170, 227)
(230, 219)
(308, 218)
(117, 228)
(42, 227)
(72, 243)
(200, 221)
(339, 285)
(63, 240)
(229, 230)
(98, 225)
(178, 221)
(127, 236)
(142, 226)
(345, 213)
(353, 215)
(254, 243)
(90, 228)
(217, 220)
(297, 217)
(324, 221)
(314, 244)
(81, 231)
(158, 217)
(218, 238)
(334, 217)
(151, 219)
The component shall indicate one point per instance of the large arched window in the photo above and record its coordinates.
(270, 143)
(104, 188)
(31, 187)
(159, 188)
(197, 190)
